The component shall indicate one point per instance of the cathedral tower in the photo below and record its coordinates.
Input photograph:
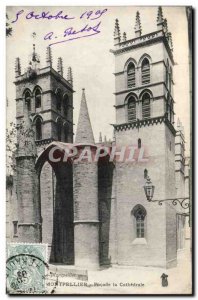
(145, 119)
(49, 99)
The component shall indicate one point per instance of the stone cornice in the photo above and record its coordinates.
(44, 141)
(146, 122)
(42, 73)
(143, 40)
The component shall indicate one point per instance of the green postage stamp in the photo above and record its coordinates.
(26, 268)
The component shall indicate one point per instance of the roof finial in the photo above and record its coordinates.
(170, 40)
(117, 35)
(160, 19)
(124, 37)
(138, 28)
(17, 67)
(165, 27)
(49, 57)
(60, 66)
(70, 76)
(35, 57)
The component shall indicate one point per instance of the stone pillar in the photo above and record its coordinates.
(86, 219)
(29, 220)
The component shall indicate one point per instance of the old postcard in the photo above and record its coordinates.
(98, 141)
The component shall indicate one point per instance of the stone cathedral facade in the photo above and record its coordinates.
(91, 214)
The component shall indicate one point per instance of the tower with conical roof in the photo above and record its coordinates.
(85, 182)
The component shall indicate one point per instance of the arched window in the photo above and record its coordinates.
(37, 98)
(58, 100)
(65, 105)
(139, 143)
(169, 108)
(139, 213)
(131, 109)
(145, 173)
(145, 71)
(171, 112)
(28, 100)
(146, 107)
(59, 129)
(167, 73)
(38, 129)
(170, 80)
(131, 75)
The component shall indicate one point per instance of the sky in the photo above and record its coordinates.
(90, 58)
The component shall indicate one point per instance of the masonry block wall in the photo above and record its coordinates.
(47, 198)
(105, 198)
(86, 217)
(29, 221)
(130, 193)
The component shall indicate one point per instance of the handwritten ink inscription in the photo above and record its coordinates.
(71, 32)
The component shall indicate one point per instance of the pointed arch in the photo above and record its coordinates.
(145, 71)
(131, 75)
(38, 122)
(27, 98)
(146, 105)
(131, 107)
(58, 94)
(129, 60)
(139, 213)
(147, 56)
(37, 96)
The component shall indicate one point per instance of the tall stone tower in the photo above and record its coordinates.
(49, 99)
(44, 102)
(144, 106)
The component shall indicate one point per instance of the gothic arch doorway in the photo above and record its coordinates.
(56, 208)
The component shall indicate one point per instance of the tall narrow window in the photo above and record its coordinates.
(59, 130)
(139, 213)
(66, 105)
(167, 73)
(58, 100)
(130, 75)
(37, 98)
(139, 143)
(131, 109)
(38, 129)
(145, 71)
(170, 80)
(146, 108)
(28, 100)
(15, 228)
(171, 112)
